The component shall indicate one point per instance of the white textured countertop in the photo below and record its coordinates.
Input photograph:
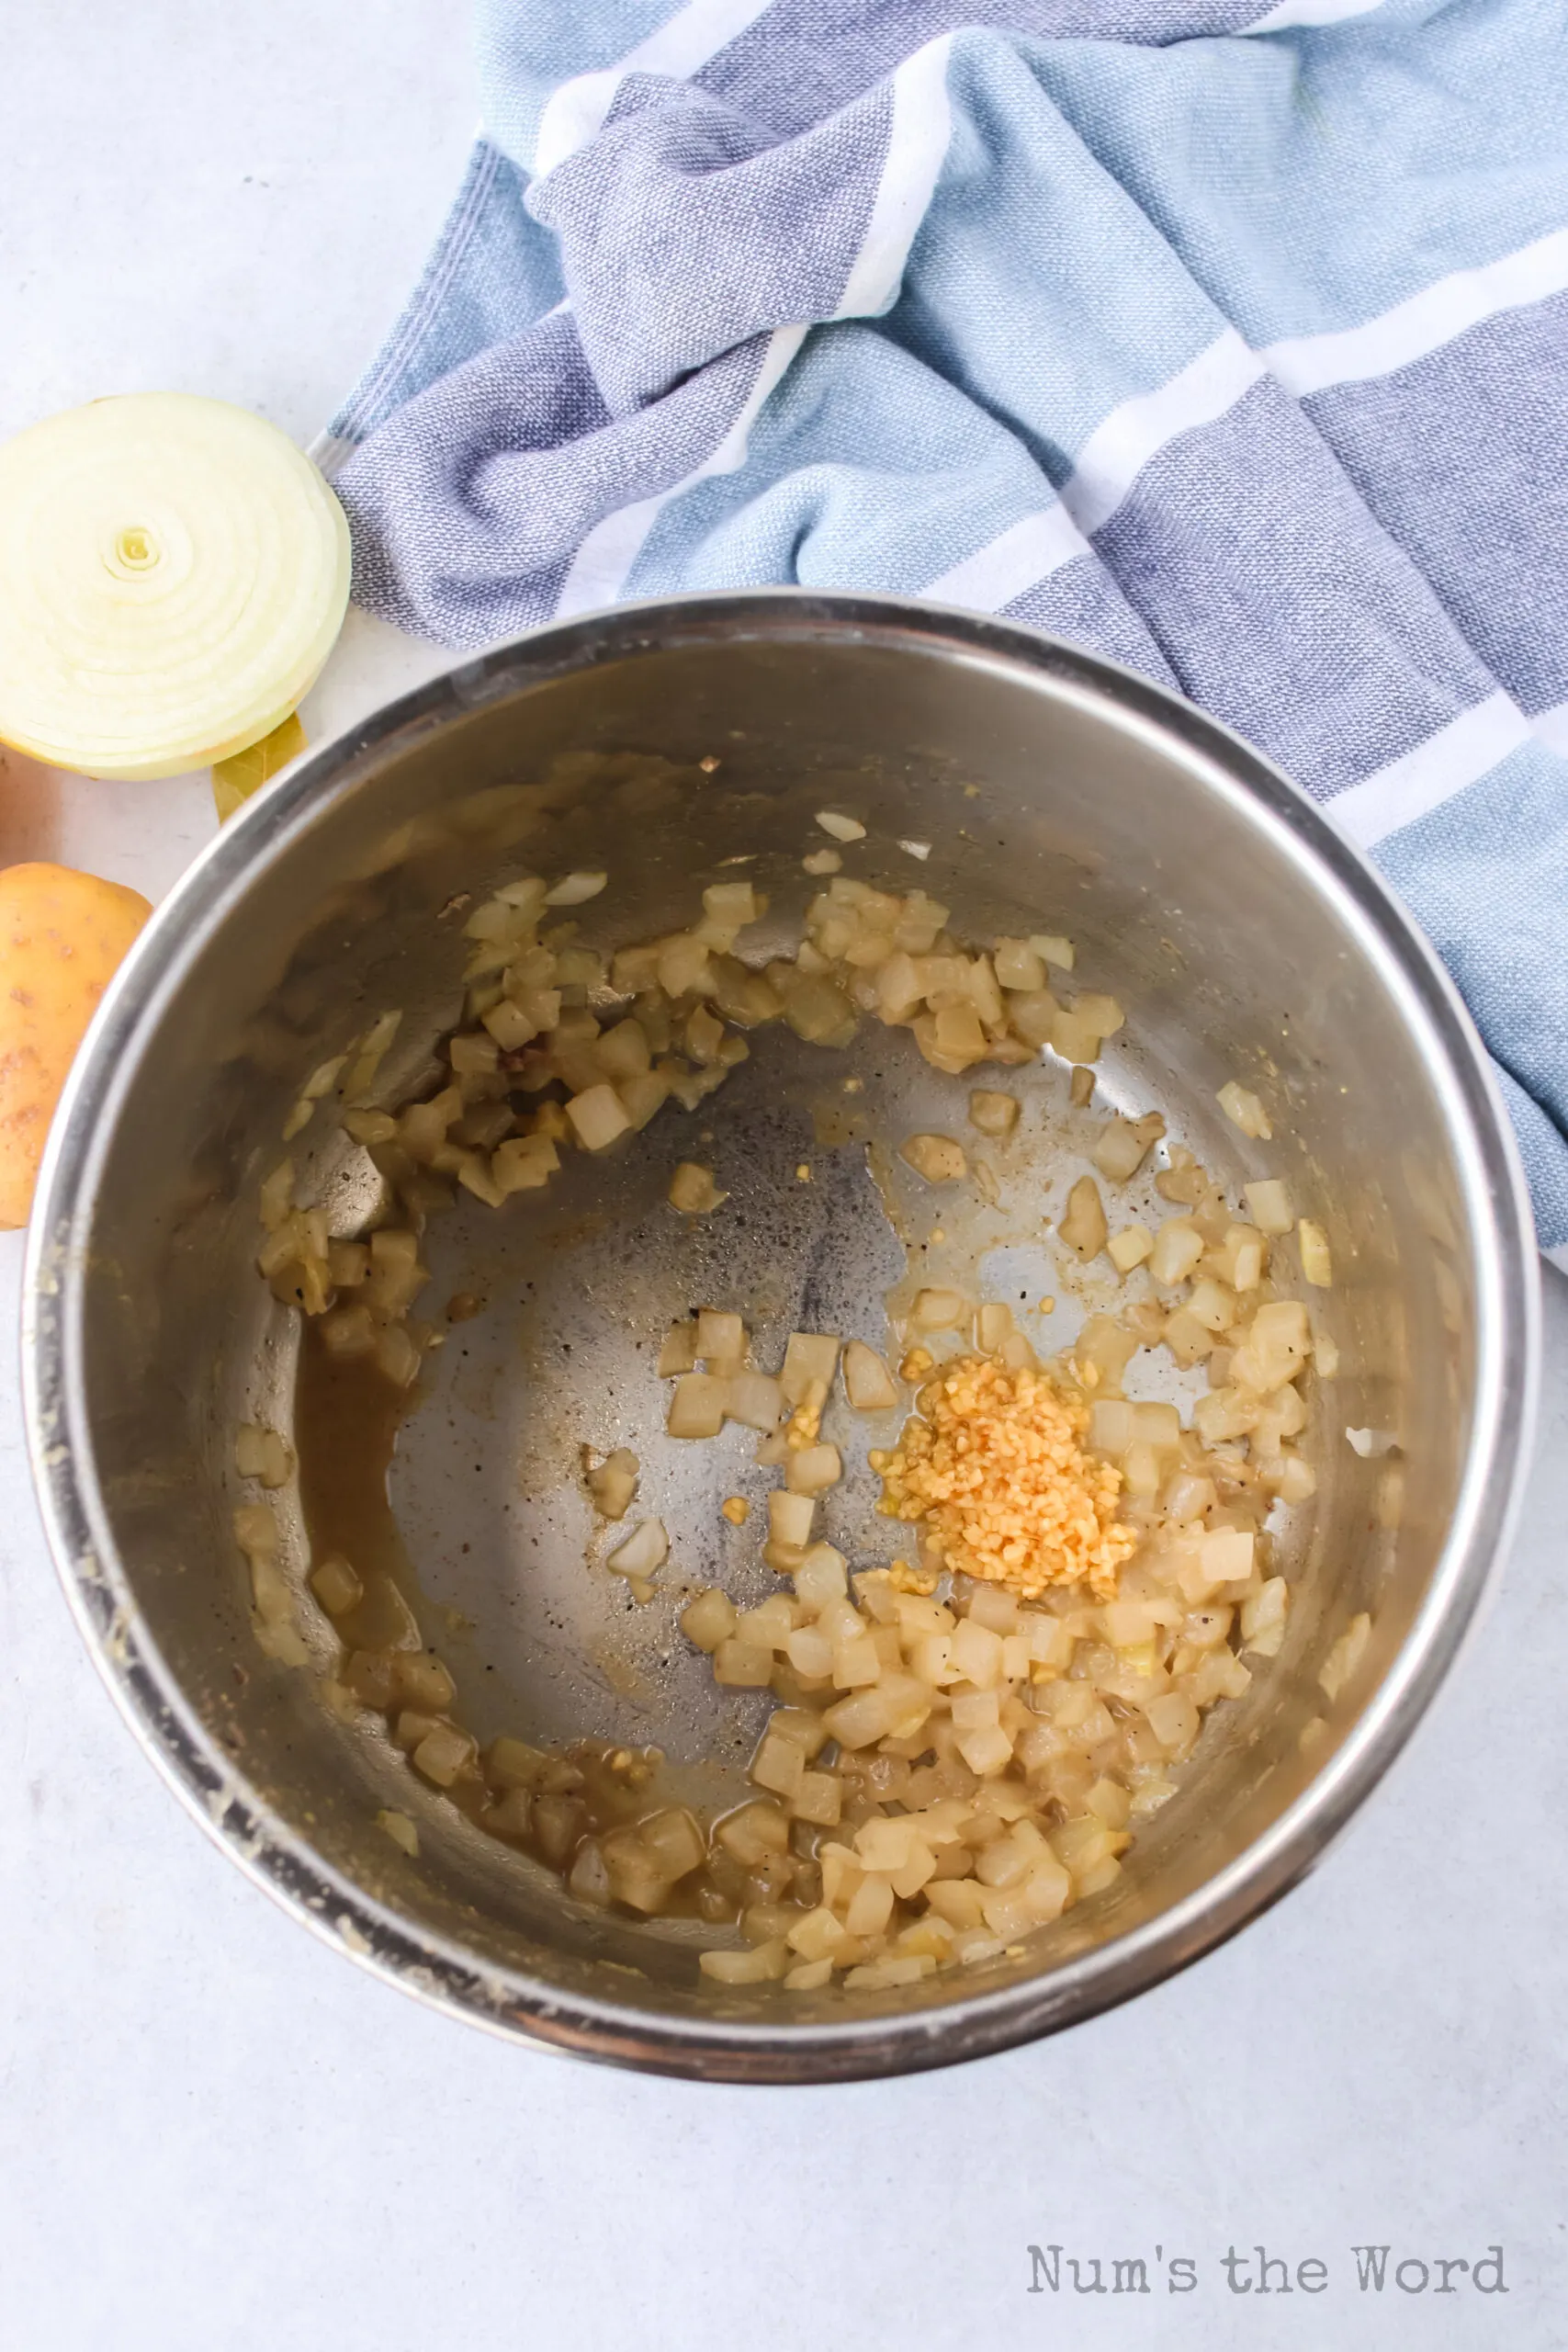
(216, 2135)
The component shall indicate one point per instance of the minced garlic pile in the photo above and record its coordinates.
(996, 1470)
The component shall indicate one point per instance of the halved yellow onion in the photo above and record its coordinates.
(173, 575)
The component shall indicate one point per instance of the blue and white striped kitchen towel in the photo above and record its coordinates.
(1231, 341)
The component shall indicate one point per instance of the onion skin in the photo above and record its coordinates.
(234, 780)
(63, 936)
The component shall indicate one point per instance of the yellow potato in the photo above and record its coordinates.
(61, 936)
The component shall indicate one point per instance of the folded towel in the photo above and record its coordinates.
(1231, 341)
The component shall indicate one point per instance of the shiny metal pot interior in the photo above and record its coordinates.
(1057, 793)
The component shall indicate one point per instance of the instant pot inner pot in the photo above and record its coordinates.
(1043, 808)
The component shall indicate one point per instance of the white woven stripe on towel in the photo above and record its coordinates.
(1117, 451)
(681, 47)
(1552, 726)
(1017, 558)
(1309, 363)
(922, 125)
(1311, 12)
(1459, 754)
(603, 563)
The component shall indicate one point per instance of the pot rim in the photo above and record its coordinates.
(876, 2041)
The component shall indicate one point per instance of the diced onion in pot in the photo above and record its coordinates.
(575, 890)
(1269, 1202)
(938, 1159)
(1123, 1145)
(755, 1400)
(1345, 1656)
(643, 1554)
(812, 1469)
(868, 1383)
(742, 1666)
(790, 1517)
(337, 1584)
(263, 1455)
(1317, 1266)
(598, 1117)
(1245, 1111)
(1130, 1248)
(992, 1113)
(613, 1483)
(698, 1406)
(721, 1339)
(762, 1963)
(1083, 1227)
(678, 1352)
(938, 1310)
(809, 1357)
(709, 1620)
(993, 1324)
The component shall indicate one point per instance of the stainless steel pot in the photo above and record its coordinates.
(1057, 792)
